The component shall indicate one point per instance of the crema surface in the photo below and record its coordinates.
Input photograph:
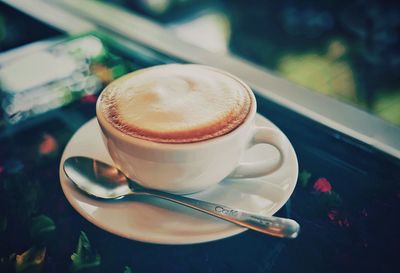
(176, 103)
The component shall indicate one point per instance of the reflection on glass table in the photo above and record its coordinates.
(349, 50)
(345, 194)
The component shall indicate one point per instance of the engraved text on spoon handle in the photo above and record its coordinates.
(275, 226)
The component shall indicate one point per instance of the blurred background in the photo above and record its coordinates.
(348, 186)
(349, 50)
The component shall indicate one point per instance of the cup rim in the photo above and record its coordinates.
(106, 125)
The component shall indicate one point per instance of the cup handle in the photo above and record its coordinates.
(263, 135)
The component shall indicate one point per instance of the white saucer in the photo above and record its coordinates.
(158, 221)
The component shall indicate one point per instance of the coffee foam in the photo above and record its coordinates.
(176, 103)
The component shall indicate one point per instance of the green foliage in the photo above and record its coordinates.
(332, 200)
(304, 178)
(84, 258)
(42, 228)
(387, 104)
(127, 269)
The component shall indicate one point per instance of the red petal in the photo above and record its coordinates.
(332, 215)
(48, 145)
(322, 185)
(89, 99)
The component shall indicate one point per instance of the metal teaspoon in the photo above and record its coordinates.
(104, 181)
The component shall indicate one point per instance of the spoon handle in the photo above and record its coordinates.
(275, 226)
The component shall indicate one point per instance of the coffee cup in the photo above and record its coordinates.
(182, 128)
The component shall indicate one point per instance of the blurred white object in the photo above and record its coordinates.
(48, 78)
(210, 31)
(35, 70)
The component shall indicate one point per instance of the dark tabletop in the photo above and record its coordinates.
(347, 201)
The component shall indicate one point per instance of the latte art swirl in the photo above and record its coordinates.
(176, 103)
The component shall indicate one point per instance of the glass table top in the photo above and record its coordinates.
(347, 197)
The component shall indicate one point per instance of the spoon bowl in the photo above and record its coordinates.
(97, 178)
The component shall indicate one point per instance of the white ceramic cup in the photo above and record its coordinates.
(190, 167)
